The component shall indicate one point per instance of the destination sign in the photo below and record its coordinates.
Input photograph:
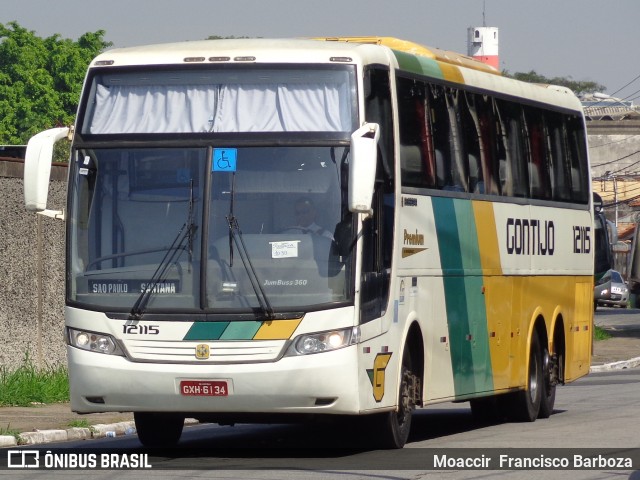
(112, 287)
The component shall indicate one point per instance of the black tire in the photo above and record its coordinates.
(393, 428)
(158, 429)
(524, 406)
(548, 394)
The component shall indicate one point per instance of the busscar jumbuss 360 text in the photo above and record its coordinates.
(259, 229)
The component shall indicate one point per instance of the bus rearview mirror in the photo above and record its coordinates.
(37, 169)
(362, 167)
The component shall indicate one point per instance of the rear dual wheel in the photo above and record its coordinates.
(550, 378)
(538, 399)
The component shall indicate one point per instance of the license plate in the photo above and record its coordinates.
(204, 388)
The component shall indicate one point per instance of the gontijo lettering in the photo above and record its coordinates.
(528, 236)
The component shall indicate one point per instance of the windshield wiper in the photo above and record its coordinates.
(235, 237)
(182, 241)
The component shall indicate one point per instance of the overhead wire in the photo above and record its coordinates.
(632, 190)
(618, 159)
(625, 86)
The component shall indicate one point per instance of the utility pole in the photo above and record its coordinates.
(611, 176)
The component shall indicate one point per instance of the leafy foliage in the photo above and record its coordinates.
(41, 79)
(578, 87)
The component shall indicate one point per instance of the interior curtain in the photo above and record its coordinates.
(221, 108)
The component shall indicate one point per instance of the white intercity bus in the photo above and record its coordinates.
(260, 230)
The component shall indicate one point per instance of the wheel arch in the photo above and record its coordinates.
(558, 344)
(414, 342)
(537, 327)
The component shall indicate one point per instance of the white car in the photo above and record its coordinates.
(611, 290)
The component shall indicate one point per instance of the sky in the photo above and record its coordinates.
(587, 40)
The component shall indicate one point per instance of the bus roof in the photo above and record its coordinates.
(444, 56)
(401, 54)
(457, 68)
(254, 50)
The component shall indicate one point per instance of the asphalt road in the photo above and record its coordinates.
(620, 318)
(597, 412)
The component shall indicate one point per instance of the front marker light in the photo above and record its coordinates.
(324, 341)
(93, 342)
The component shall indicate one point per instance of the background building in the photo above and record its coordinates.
(482, 45)
(613, 129)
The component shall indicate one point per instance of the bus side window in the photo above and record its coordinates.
(441, 136)
(377, 235)
(511, 119)
(505, 184)
(471, 138)
(488, 144)
(457, 179)
(556, 145)
(538, 164)
(417, 158)
(578, 159)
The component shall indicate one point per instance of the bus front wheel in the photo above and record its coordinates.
(392, 428)
(158, 429)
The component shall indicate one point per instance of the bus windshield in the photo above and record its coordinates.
(208, 229)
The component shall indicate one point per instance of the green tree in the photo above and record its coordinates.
(41, 79)
(578, 87)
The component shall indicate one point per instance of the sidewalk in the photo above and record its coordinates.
(620, 351)
(52, 423)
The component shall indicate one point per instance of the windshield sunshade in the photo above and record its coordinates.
(200, 101)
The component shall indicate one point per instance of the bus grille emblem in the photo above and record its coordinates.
(202, 351)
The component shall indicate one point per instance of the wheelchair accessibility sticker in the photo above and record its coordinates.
(224, 159)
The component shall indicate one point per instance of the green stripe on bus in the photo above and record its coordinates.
(223, 330)
(475, 300)
(419, 65)
(241, 330)
(466, 310)
(206, 330)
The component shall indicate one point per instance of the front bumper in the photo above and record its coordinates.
(310, 384)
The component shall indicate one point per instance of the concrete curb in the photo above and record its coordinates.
(100, 430)
(624, 364)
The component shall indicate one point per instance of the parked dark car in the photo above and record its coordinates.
(611, 290)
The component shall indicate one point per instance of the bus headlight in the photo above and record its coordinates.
(93, 342)
(324, 341)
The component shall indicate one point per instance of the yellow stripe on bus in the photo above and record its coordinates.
(451, 72)
(487, 238)
(497, 289)
(277, 329)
